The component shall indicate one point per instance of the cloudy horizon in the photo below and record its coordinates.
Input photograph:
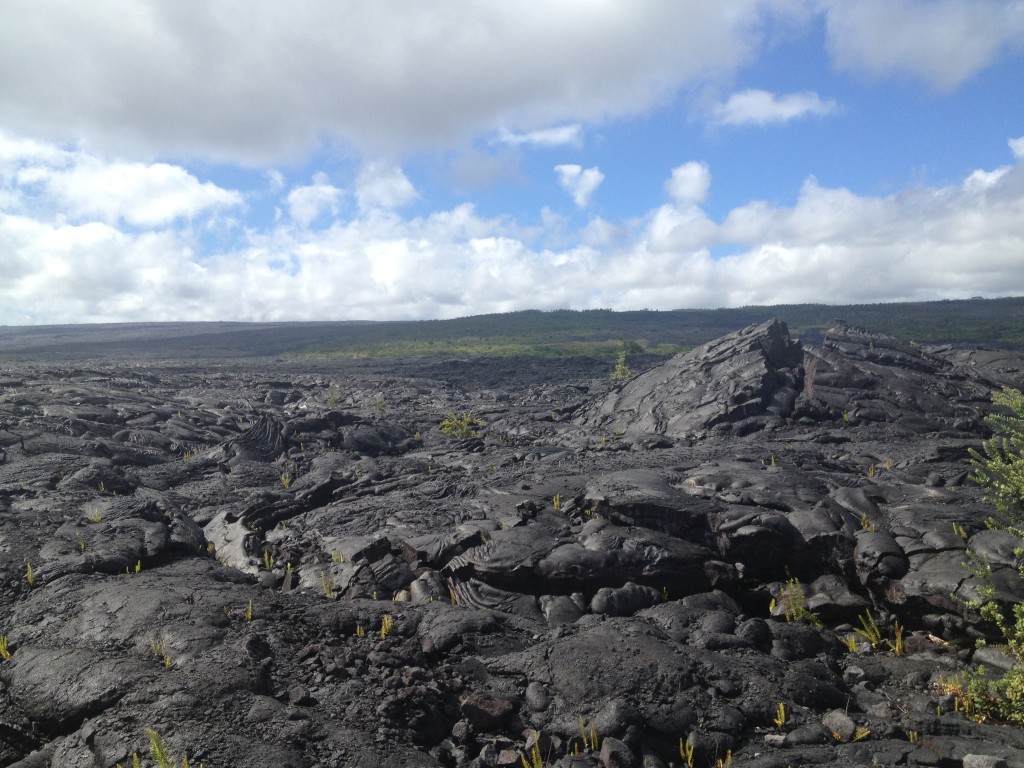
(342, 161)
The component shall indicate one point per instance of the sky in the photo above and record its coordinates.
(169, 160)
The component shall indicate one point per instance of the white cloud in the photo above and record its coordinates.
(832, 244)
(762, 108)
(1017, 147)
(689, 183)
(560, 136)
(305, 204)
(263, 82)
(83, 186)
(382, 185)
(141, 194)
(941, 42)
(579, 182)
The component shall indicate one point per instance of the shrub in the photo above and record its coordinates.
(999, 468)
(460, 426)
(621, 372)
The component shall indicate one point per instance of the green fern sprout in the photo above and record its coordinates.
(30, 576)
(158, 750)
(5, 652)
(794, 604)
(535, 759)
(686, 750)
(869, 630)
(328, 587)
(780, 715)
(591, 742)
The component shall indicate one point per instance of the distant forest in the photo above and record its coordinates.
(600, 332)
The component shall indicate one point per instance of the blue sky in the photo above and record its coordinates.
(341, 160)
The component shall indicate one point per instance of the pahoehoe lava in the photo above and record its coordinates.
(286, 563)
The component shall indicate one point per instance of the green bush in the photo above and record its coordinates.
(621, 372)
(999, 468)
(460, 426)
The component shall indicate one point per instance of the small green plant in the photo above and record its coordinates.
(268, 560)
(380, 406)
(138, 566)
(959, 530)
(780, 715)
(556, 501)
(286, 480)
(686, 750)
(869, 630)
(158, 749)
(95, 517)
(621, 372)
(338, 556)
(535, 759)
(102, 487)
(591, 742)
(850, 641)
(161, 653)
(913, 737)
(333, 398)
(249, 611)
(81, 542)
(794, 604)
(460, 426)
(896, 644)
(5, 652)
(328, 587)
(861, 733)
(865, 523)
(30, 576)
(386, 625)
(360, 632)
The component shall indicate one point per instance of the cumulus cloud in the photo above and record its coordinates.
(689, 183)
(386, 76)
(957, 240)
(383, 185)
(762, 108)
(306, 204)
(83, 186)
(137, 193)
(1017, 147)
(941, 42)
(579, 182)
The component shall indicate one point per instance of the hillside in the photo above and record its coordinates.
(564, 333)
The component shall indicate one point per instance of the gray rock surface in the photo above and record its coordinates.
(285, 562)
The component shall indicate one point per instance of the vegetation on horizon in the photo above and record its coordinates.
(602, 333)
